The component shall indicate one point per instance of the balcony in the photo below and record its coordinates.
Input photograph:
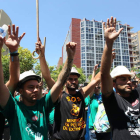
(129, 27)
(134, 62)
(133, 55)
(130, 43)
(130, 38)
(130, 32)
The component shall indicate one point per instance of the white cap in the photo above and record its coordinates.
(28, 75)
(74, 71)
(120, 70)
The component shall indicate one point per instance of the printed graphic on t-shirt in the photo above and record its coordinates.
(75, 110)
(134, 124)
(74, 124)
(37, 135)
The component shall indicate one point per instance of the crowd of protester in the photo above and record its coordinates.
(105, 109)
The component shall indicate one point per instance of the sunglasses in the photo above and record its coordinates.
(97, 87)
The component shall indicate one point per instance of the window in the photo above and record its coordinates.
(98, 24)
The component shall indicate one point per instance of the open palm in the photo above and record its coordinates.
(110, 32)
(13, 40)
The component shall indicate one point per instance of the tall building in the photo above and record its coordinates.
(89, 36)
(136, 49)
(4, 19)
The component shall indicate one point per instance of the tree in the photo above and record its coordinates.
(82, 77)
(54, 71)
(26, 62)
(136, 71)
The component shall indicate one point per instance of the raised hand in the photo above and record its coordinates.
(110, 32)
(13, 40)
(71, 48)
(40, 48)
(1, 42)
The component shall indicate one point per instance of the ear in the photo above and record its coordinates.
(21, 91)
(114, 84)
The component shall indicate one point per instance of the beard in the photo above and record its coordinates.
(122, 89)
(72, 87)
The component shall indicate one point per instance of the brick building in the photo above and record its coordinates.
(89, 36)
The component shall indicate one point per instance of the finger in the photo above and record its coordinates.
(104, 25)
(111, 22)
(115, 23)
(13, 27)
(40, 40)
(113, 50)
(107, 23)
(68, 44)
(21, 36)
(9, 30)
(17, 29)
(120, 30)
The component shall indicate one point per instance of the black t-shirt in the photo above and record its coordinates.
(69, 118)
(2, 123)
(124, 115)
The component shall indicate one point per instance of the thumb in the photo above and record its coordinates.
(120, 30)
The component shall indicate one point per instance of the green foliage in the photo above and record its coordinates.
(137, 71)
(5, 65)
(26, 62)
(54, 71)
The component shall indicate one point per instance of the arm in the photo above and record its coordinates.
(92, 78)
(43, 65)
(110, 34)
(90, 87)
(13, 43)
(4, 93)
(64, 74)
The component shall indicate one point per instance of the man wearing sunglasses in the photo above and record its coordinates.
(122, 107)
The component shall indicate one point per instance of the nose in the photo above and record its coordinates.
(73, 81)
(35, 89)
(129, 81)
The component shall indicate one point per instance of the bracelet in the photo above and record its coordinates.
(14, 52)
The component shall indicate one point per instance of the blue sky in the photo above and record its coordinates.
(55, 17)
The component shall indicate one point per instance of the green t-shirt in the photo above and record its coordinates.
(28, 122)
(51, 117)
(93, 104)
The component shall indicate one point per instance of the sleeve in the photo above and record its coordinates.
(113, 105)
(9, 109)
(47, 102)
(86, 101)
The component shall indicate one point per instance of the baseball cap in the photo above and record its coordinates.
(74, 71)
(120, 70)
(28, 75)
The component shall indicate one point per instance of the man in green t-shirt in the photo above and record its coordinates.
(28, 119)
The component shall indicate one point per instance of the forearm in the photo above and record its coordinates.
(46, 72)
(106, 58)
(106, 80)
(93, 74)
(65, 71)
(1, 72)
(14, 70)
(89, 89)
(4, 93)
(64, 74)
